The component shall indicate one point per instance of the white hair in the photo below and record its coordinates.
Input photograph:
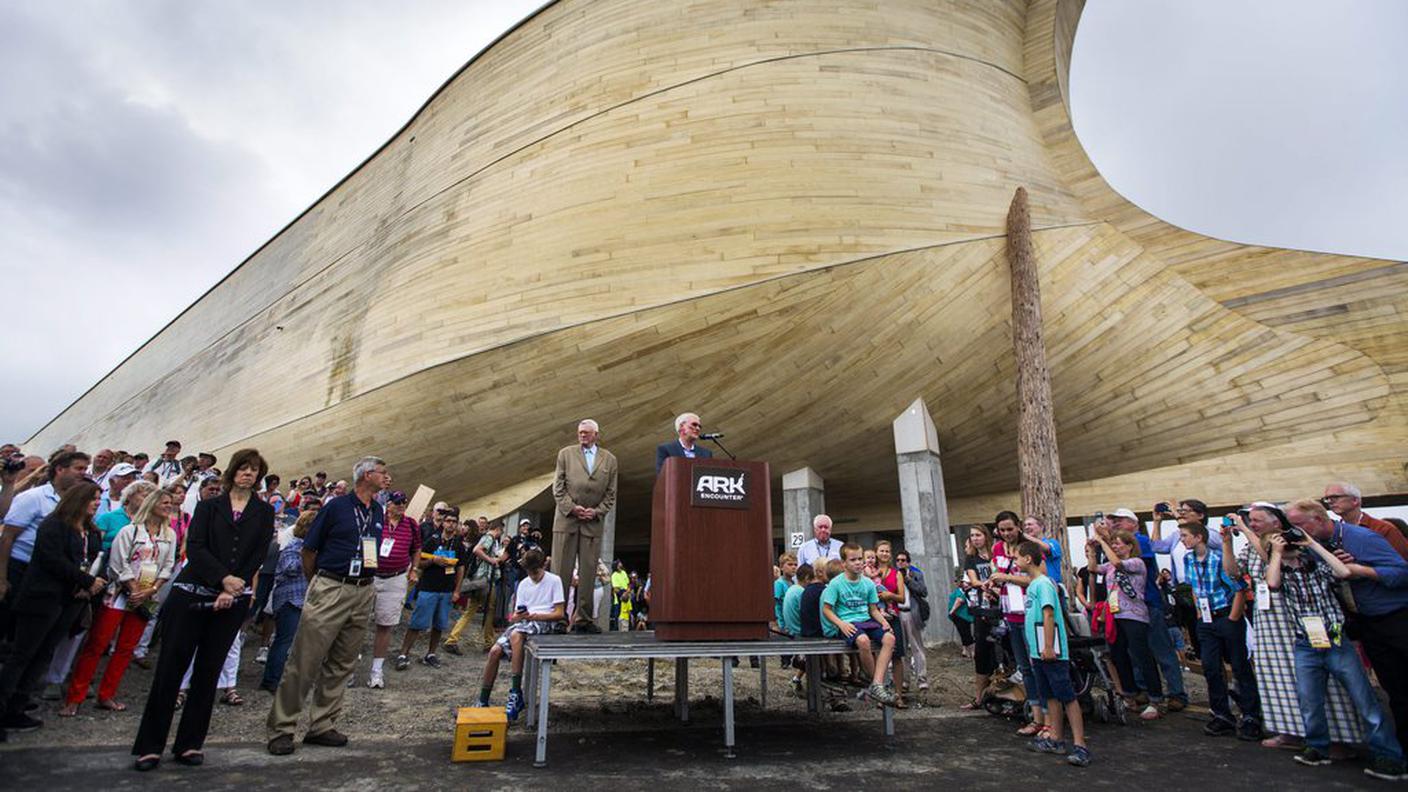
(1349, 489)
(819, 519)
(138, 487)
(588, 422)
(681, 418)
(364, 466)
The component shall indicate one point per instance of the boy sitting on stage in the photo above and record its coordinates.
(850, 607)
(540, 605)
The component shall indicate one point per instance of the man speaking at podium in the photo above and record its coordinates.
(685, 444)
(584, 487)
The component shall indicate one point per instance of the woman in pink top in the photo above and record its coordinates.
(1009, 582)
(889, 585)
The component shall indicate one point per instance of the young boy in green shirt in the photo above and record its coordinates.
(850, 607)
(1045, 628)
(786, 571)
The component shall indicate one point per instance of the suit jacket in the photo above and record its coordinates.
(572, 486)
(673, 448)
(57, 569)
(218, 545)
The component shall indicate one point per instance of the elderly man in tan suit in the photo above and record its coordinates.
(585, 490)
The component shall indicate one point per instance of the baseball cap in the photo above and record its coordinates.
(123, 469)
(442, 506)
(398, 497)
(525, 521)
(1123, 512)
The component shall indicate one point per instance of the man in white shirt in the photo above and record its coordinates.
(821, 545)
(541, 604)
(167, 466)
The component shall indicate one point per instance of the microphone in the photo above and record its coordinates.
(711, 436)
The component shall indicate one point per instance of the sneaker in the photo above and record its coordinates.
(402, 662)
(376, 681)
(332, 738)
(1176, 704)
(1217, 727)
(453, 649)
(880, 693)
(1150, 713)
(923, 684)
(1386, 769)
(1312, 758)
(262, 656)
(1079, 756)
(1250, 731)
(20, 722)
(514, 705)
(430, 660)
(798, 689)
(1047, 745)
(478, 703)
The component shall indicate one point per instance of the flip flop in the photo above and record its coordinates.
(231, 698)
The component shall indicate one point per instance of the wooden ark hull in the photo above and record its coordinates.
(786, 216)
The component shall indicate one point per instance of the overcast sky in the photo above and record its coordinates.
(146, 148)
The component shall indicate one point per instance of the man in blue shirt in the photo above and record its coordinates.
(22, 520)
(1222, 634)
(1379, 581)
(339, 557)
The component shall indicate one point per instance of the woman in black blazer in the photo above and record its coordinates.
(225, 545)
(55, 590)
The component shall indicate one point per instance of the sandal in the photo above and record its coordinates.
(112, 705)
(1030, 730)
(232, 698)
(971, 706)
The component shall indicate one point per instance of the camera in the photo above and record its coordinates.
(1293, 535)
(1161, 507)
(1227, 521)
(14, 463)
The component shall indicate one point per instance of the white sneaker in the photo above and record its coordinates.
(376, 681)
(262, 656)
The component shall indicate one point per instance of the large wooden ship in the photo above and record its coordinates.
(789, 217)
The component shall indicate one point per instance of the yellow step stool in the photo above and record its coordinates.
(479, 734)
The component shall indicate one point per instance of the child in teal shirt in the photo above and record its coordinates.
(787, 570)
(850, 607)
(1047, 641)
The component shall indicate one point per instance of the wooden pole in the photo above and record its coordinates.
(1038, 459)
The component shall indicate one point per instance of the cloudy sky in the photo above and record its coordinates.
(146, 148)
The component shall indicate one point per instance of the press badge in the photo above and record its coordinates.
(368, 552)
(1263, 596)
(386, 545)
(1204, 610)
(1114, 601)
(1315, 631)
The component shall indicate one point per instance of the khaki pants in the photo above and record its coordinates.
(325, 649)
(574, 548)
(471, 608)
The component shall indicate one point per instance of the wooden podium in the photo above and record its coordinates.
(711, 550)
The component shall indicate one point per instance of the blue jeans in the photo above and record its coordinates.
(285, 627)
(1017, 642)
(1314, 667)
(1227, 639)
(1161, 645)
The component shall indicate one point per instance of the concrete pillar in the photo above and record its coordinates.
(925, 512)
(803, 498)
(608, 552)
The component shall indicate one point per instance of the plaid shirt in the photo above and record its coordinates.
(1309, 591)
(289, 583)
(1209, 580)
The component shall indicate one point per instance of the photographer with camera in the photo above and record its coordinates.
(1223, 636)
(1378, 605)
(19, 473)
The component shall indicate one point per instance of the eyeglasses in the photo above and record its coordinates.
(1328, 499)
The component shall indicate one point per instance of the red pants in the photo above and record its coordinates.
(107, 621)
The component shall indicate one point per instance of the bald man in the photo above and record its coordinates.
(584, 486)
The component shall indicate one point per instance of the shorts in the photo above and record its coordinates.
(390, 594)
(868, 628)
(1053, 680)
(432, 611)
(901, 646)
(528, 628)
(984, 650)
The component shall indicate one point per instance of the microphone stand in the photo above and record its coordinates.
(716, 442)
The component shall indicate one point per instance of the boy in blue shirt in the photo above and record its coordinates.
(1045, 628)
(850, 607)
(787, 570)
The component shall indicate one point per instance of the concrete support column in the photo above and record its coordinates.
(925, 512)
(803, 498)
(608, 553)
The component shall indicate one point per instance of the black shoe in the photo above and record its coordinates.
(1250, 731)
(1312, 758)
(281, 745)
(31, 706)
(20, 722)
(1218, 727)
(190, 758)
(430, 660)
(268, 688)
(332, 738)
(146, 763)
(587, 628)
(1386, 769)
(453, 649)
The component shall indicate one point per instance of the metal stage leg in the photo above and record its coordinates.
(889, 720)
(530, 670)
(763, 673)
(813, 684)
(728, 708)
(682, 689)
(650, 679)
(540, 759)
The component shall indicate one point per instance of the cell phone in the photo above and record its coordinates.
(1099, 515)
(1160, 507)
(522, 608)
(1227, 521)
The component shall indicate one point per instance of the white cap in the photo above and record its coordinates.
(1123, 512)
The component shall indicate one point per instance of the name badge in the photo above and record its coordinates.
(1204, 610)
(386, 545)
(1316, 632)
(1263, 596)
(368, 552)
(354, 567)
(1114, 600)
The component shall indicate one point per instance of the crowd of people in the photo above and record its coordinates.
(113, 555)
(1311, 607)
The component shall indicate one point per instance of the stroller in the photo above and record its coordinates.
(1090, 675)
